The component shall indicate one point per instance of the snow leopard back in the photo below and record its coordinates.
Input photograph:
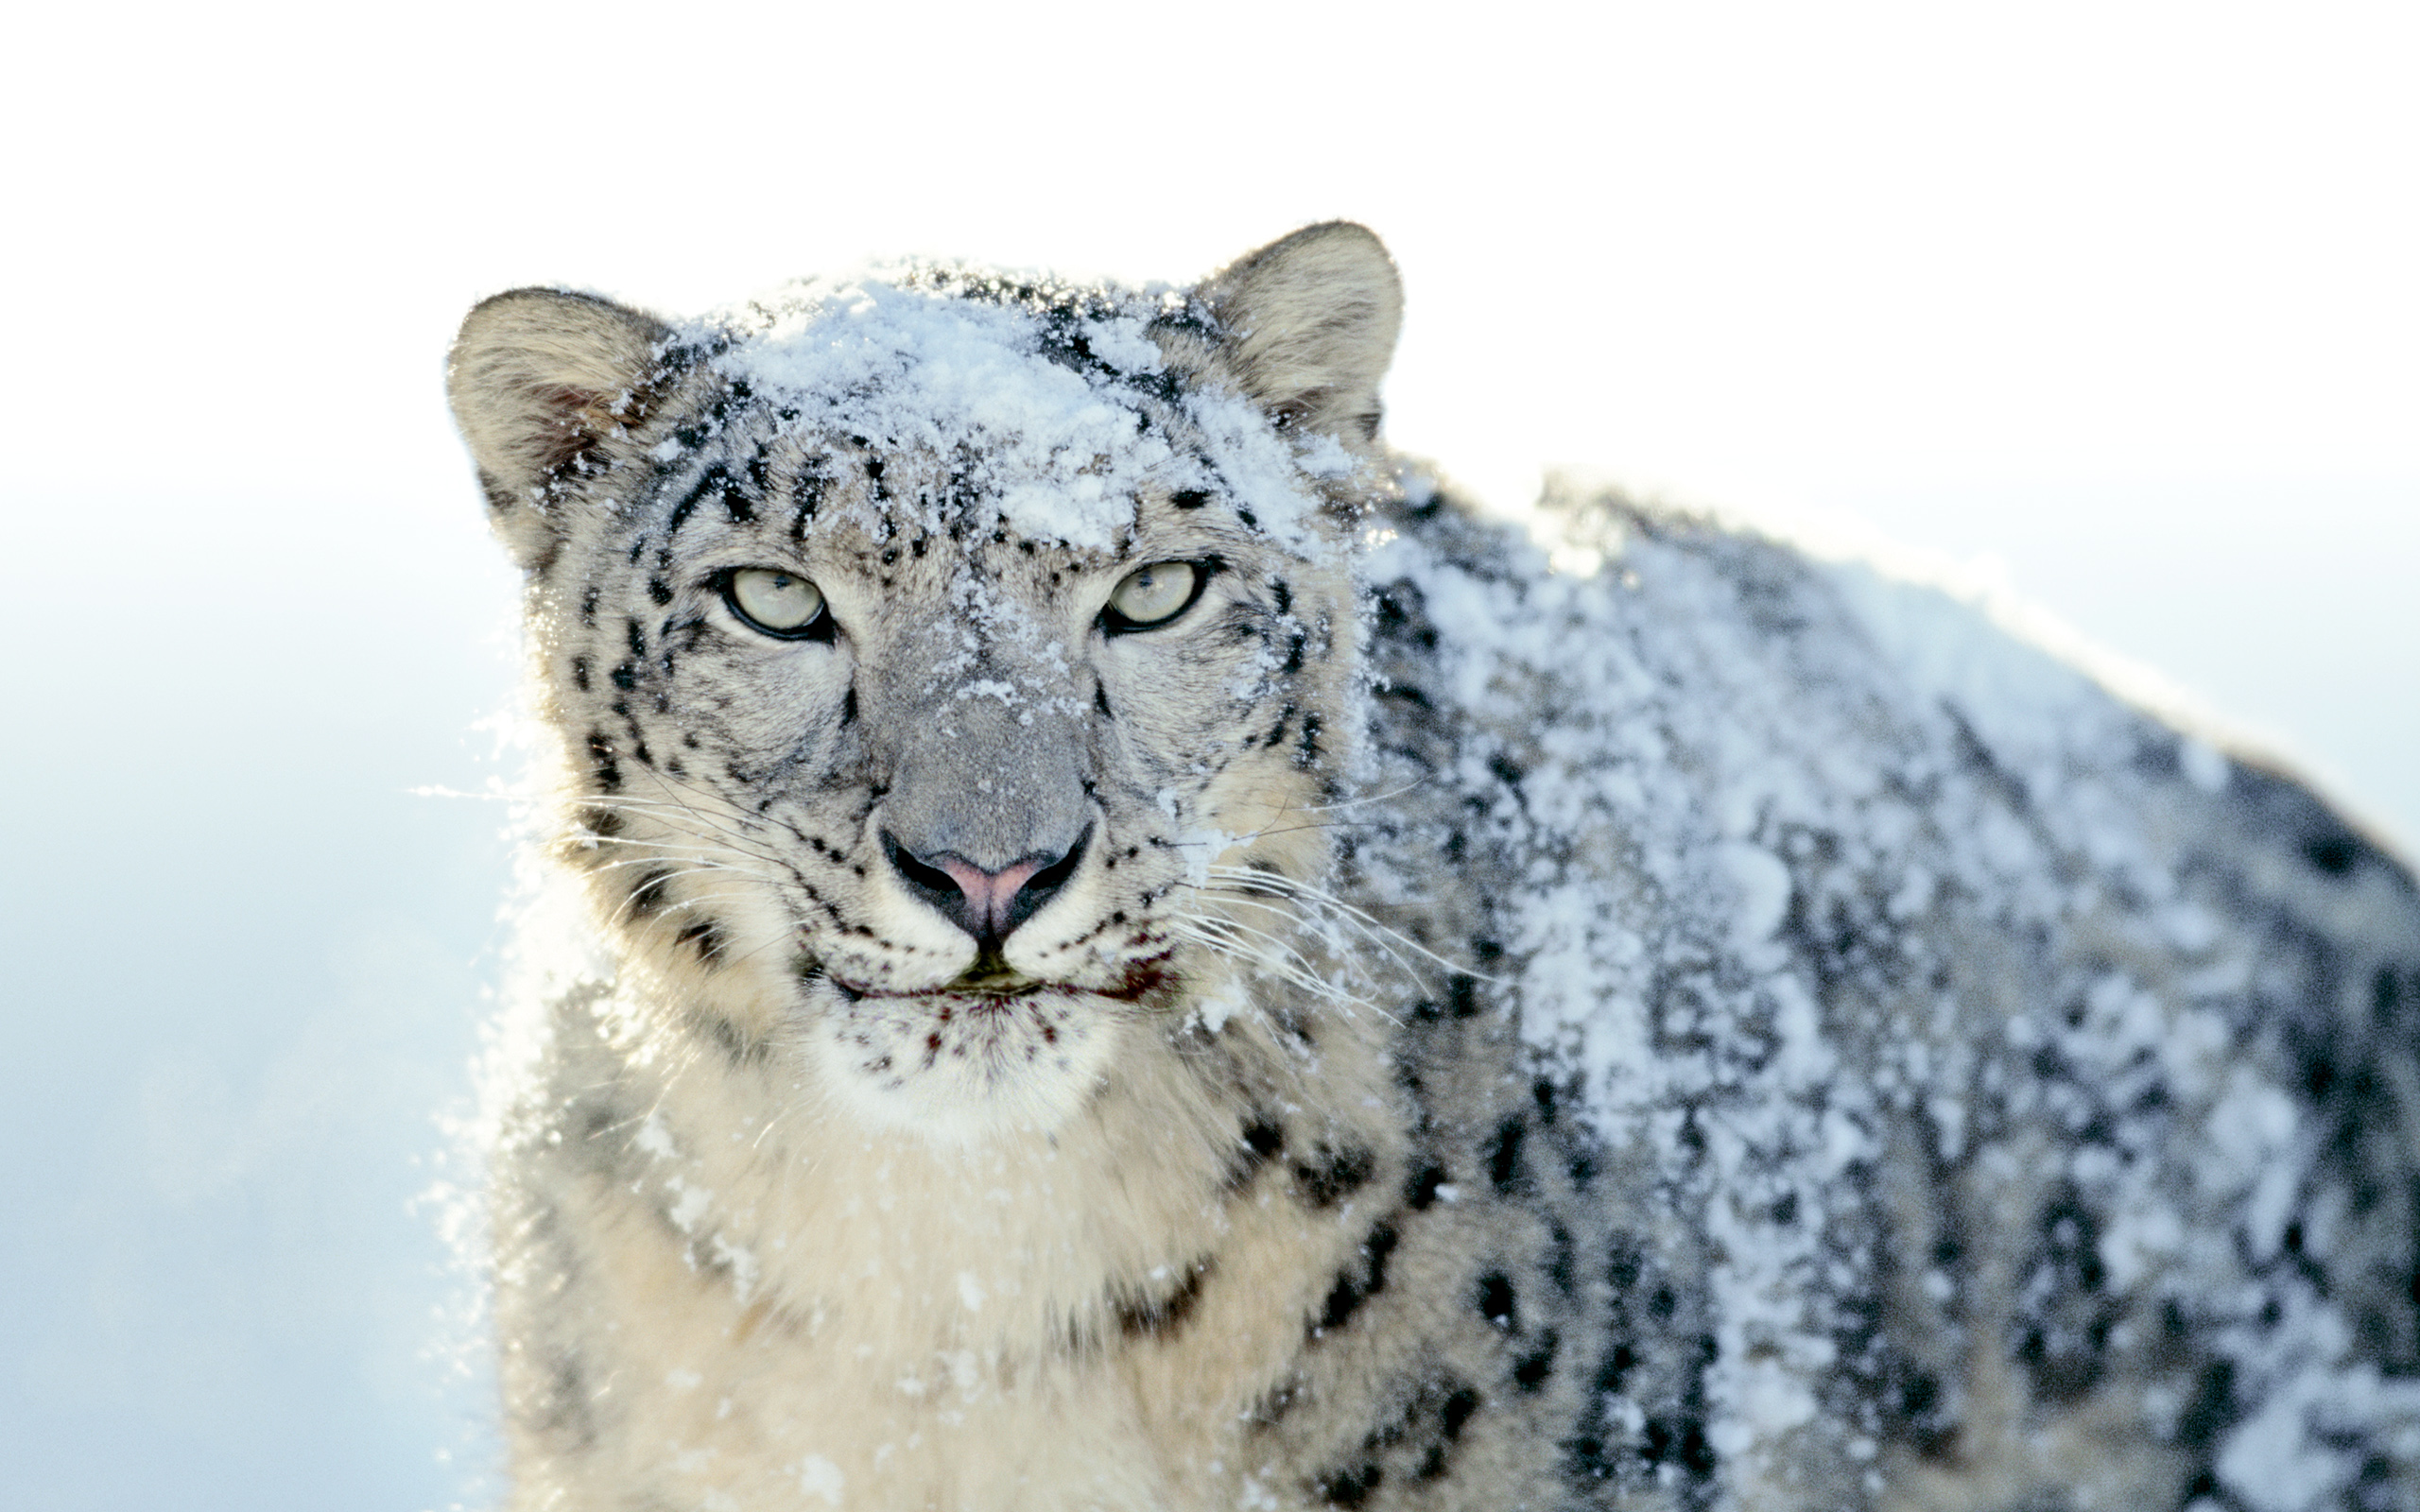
(1925, 1081)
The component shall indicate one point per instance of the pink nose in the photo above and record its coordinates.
(986, 904)
(989, 894)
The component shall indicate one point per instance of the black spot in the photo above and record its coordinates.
(588, 605)
(660, 591)
(1581, 1166)
(1461, 996)
(1457, 1411)
(1295, 642)
(580, 672)
(651, 892)
(1420, 1190)
(607, 771)
(1335, 1176)
(1307, 748)
(715, 479)
(1550, 1096)
(1357, 1284)
(1681, 1441)
(1349, 1488)
(1562, 1261)
(1504, 767)
(1505, 1167)
(1453, 1403)
(2212, 1409)
(1534, 1369)
(707, 936)
(1275, 1403)
(2067, 1312)
(2332, 854)
(1261, 1142)
(849, 707)
(1495, 1300)
(1101, 701)
(1188, 499)
(1160, 1317)
(1615, 1367)
(626, 676)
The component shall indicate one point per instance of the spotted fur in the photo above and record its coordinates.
(1249, 1147)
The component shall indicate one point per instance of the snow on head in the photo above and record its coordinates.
(1049, 401)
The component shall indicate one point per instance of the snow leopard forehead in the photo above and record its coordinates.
(932, 400)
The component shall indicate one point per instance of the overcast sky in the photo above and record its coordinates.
(2114, 302)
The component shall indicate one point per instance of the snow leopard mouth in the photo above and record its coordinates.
(991, 988)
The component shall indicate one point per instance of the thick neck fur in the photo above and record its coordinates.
(713, 1216)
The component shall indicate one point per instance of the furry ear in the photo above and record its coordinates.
(537, 377)
(1310, 323)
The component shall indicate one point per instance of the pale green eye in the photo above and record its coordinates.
(777, 602)
(1151, 594)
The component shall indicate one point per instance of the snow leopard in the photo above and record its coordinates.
(1143, 953)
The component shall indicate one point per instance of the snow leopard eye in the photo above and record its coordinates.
(776, 603)
(1153, 596)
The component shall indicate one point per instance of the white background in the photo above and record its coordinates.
(2113, 303)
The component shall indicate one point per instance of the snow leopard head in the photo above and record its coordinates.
(951, 668)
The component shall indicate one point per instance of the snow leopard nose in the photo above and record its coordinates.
(986, 904)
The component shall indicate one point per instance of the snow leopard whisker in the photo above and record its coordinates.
(1378, 934)
(716, 843)
(1214, 936)
(735, 828)
(624, 911)
(1290, 966)
(1374, 930)
(705, 858)
(1366, 798)
(1273, 949)
(674, 788)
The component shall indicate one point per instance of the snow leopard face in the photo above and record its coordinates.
(951, 673)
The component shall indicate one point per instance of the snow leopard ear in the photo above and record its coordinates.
(538, 377)
(1309, 324)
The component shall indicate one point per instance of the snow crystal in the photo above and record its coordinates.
(1764, 890)
(819, 1476)
(690, 1205)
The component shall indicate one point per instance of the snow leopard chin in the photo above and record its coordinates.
(955, 1067)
